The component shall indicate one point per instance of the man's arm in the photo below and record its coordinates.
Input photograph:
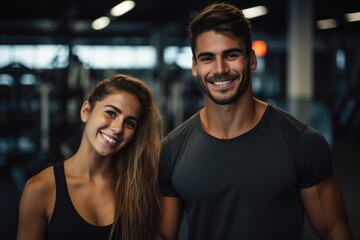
(325, 209)
(171, 215)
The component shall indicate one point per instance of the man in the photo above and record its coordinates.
(241, 168)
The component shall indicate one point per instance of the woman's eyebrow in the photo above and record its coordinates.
(119, 111)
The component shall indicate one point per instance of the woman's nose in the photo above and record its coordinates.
(117, 125)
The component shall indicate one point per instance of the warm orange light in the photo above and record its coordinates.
(259, 47)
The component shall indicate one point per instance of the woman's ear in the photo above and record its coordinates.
(84, 112)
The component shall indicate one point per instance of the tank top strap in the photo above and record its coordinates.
(60, 181)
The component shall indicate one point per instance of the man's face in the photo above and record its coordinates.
(222, 66)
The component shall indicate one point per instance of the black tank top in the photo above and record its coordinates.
(66, 223)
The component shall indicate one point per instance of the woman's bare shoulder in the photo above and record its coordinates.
(36, 202)
(40, 184)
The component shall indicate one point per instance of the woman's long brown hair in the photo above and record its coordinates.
(137, 197)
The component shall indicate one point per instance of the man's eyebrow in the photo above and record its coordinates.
(205, 54)
(227, 51)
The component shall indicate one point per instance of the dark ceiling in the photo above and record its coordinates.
(36, 21)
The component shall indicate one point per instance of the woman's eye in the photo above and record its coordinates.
(111, 113)
(130, 124)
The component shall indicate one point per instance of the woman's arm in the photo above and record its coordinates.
(171, 215)
(32, 209)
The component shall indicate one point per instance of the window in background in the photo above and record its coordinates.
(35, 56)
(181, 56)
(123, 57)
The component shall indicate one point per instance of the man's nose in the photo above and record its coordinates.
(220, 66)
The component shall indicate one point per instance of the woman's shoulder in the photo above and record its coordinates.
(40, 185)
(38, 197)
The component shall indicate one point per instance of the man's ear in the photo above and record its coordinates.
(193, 67)
(253, 60)
(84, 111)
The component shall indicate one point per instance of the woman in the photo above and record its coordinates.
(108, 188)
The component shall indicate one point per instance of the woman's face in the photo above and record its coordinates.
(111, 125)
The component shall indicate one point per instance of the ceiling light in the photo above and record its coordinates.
(255, 12)
(352, 17)
(100, 23)
(326, 23)
(122, 8)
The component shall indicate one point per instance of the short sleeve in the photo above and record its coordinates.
(315, 159)
(166, 169)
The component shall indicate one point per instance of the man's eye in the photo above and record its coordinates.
(205, 59)
(232, 56)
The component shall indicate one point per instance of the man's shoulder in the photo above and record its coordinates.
(283, 122)
(185, 130)
(280, 116)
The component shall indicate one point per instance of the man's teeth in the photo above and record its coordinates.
(109, 139)
(221, 83)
